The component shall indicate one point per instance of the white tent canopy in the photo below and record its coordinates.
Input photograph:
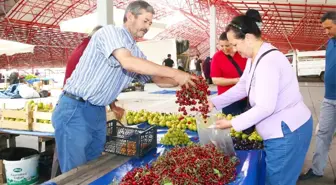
(86, 23)
(11, 47)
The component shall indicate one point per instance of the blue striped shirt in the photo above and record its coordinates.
(99, 78)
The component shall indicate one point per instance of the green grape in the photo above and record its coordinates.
(175, 136)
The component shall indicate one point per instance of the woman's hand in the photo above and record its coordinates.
(223, 124)
(211, 105)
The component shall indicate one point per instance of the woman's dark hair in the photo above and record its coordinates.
(223, 36)
(254, 14)
(243, 24)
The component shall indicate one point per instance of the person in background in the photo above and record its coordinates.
(37, 73)
(109, 64)
(180, 64)
(227, 66)
(192, 66)
(274, 97)
(327, 119)
(206, 70)
(13, 78)
(168, 61)
(198, 66)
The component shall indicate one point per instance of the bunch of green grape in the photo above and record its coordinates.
(30, 76)
(175, 136)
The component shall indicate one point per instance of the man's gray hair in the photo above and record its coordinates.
(135, 8)
(94, 30)
(331, 15)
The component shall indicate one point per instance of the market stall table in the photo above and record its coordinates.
(248, 169)
(43, 136)
(251, 170)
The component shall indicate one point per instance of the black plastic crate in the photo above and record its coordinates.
(129, 141)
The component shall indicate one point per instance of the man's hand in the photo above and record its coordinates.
(118, 111)
(183, 78)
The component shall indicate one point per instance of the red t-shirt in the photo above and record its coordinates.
(221, 67)
(74, 58)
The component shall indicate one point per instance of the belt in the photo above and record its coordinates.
(73, 96)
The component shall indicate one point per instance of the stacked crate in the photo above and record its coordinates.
(20, 119)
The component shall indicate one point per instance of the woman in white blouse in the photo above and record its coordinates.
(277, 108)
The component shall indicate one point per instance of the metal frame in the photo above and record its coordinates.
(286, 25)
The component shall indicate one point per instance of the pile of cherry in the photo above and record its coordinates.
(191, 165)
(196, 97)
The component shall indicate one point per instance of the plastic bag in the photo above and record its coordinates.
(207, 133)
(27, 92)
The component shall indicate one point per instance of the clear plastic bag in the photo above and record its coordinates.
(207, 133)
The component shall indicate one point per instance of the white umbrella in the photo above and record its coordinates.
(11, 47)
(86, 23)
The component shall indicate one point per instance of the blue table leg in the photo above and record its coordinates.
(262, 170)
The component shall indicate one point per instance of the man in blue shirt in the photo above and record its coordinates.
(109, 63)
(328, 108)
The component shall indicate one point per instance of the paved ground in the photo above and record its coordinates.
(313, 95)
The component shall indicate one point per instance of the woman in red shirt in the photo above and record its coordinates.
(76, 54)
(226, 68)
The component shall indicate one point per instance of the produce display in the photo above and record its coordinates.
(30, 105)
(196, 97)
(134, 117)
(190, 165)
(130, 148)
(161, 119)
(135, 86)
(175, 136)
(243, 141)
(14, 119)
(30, 76)
(138, 86)
(43, 121)
(45, 107)
(41, 107)
(173, 120)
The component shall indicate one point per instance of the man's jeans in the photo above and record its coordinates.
(324, 135)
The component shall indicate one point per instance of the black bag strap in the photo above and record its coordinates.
(240, 72)
(248, 94)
